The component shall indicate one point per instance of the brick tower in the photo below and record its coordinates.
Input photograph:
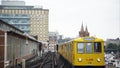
(83, 33)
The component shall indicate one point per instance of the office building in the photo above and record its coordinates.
(29, 19)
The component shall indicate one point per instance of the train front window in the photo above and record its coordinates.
(88, 47)
(80, 47)
(97, 47)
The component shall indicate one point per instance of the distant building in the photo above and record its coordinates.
(53, 36)
(7, 27)
(53, 40)
(13, 2)
(63, 40)
(30, 19)
(114, 41)
(21, 21)
(60, 37)
(83, 33)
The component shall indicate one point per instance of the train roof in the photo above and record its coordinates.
(88, 39)
(85, 39)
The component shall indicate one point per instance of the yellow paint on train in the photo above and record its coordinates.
(83, 51)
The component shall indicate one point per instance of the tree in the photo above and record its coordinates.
(111, 46)
(119, 48)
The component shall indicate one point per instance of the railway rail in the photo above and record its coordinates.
(48, 60)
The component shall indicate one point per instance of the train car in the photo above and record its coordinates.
(83, 52)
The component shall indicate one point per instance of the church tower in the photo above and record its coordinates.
(83, 33)
(86, 32)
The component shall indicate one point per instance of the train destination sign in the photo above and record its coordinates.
(89, 39)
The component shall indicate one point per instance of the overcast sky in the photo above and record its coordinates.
(102, 17)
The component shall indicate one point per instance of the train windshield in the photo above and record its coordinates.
(97, 47)
(80, 47)
(88, 47)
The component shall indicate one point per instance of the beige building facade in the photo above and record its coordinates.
(38, 19)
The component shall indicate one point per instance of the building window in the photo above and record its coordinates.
(15, 21)
(29, 12)
(22, 27)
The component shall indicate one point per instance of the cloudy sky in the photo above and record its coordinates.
(102, 17)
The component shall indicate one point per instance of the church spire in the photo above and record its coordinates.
(86, 32)
(86, 29)
(83, 33)
(82, 28)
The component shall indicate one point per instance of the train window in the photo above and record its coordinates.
(88, 47)
(97, 47)
(80, 47)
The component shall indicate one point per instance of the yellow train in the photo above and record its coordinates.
(83, 52)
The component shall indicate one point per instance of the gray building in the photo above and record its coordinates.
(114, 41)
(30, 19)
(12, 2)
(7, 27)
(21, 21)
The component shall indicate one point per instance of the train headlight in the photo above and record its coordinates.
(79, 59)
(98, 59)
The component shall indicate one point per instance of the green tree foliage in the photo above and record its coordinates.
(119, 47)
(112, 46)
